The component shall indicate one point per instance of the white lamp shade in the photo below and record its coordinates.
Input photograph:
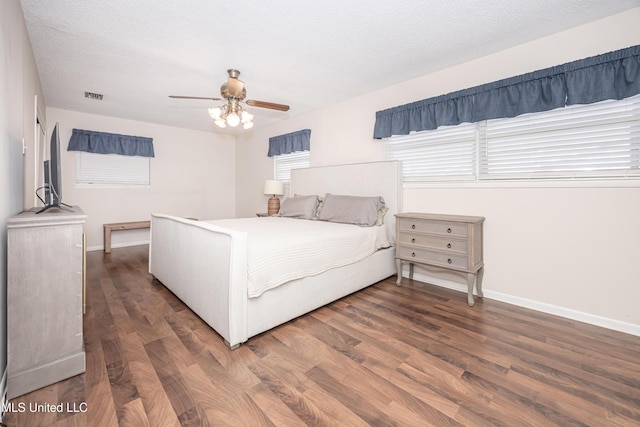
(273, 187)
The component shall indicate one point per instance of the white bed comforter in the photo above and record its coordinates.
(284, 249)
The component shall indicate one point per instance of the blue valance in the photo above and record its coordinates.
(110, 143)
(613, 75)
(290, 142)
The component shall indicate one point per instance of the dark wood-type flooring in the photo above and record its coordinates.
(414, 355)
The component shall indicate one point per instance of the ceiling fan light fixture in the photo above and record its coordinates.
(232, 113)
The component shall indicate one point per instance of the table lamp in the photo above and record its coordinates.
(274, 188)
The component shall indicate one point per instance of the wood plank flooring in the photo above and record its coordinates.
(414, 355)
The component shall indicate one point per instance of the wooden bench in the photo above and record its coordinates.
(108, 228)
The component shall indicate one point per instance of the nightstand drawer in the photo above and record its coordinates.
(434, 227)
(436, 242)
(433, 257)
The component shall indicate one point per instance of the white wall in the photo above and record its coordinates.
(19, 83)
(192, 175)
(571, 251)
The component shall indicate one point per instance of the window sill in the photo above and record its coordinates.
(548, 183)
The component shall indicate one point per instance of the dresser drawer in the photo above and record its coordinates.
(435, 227)
(433, 257)
(431, 241)
(451, 242)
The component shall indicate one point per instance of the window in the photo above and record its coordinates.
(601, 139)
(285, 163)
(581, 141)
(445, 154)
(112, 169)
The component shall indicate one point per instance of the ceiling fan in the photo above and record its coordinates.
(232, 113)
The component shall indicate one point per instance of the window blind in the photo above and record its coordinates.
(448, 153)
(112, 169)
(598, 140)
(601, 139)
(285, 163)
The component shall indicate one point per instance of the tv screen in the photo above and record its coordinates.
(53, 175)
(55, 181)
(48, 201)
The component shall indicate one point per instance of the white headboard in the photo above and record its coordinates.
(358, 179)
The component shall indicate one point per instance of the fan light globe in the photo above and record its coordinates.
(215, 112)
(246, 116)
(247, 125)
(233, 119)
(221, 123)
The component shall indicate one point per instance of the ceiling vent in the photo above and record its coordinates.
(91, 95)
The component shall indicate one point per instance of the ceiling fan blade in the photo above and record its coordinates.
(270, 105)
(194, 97)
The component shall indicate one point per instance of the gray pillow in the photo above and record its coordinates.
(299, 207)
(356, 210)
(320, 201)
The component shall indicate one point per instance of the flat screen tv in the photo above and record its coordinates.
(53, 176)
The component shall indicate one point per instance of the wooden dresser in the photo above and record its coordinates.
(447, 241)
(45, 283)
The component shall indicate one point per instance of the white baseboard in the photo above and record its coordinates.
(568, 313)
(118, 245)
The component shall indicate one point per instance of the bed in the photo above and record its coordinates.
(211, 265)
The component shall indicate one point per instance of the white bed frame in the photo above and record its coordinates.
(206, 266)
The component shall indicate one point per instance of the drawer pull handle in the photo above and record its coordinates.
(449, 260)
(448, 245)
(413, 254)
(413, 226)
(413, 240)
(448, 230)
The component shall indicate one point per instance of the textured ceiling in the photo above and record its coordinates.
(307, 54)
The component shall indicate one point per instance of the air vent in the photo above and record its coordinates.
(91, 95)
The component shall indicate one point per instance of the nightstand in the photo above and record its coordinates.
(448, 241)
